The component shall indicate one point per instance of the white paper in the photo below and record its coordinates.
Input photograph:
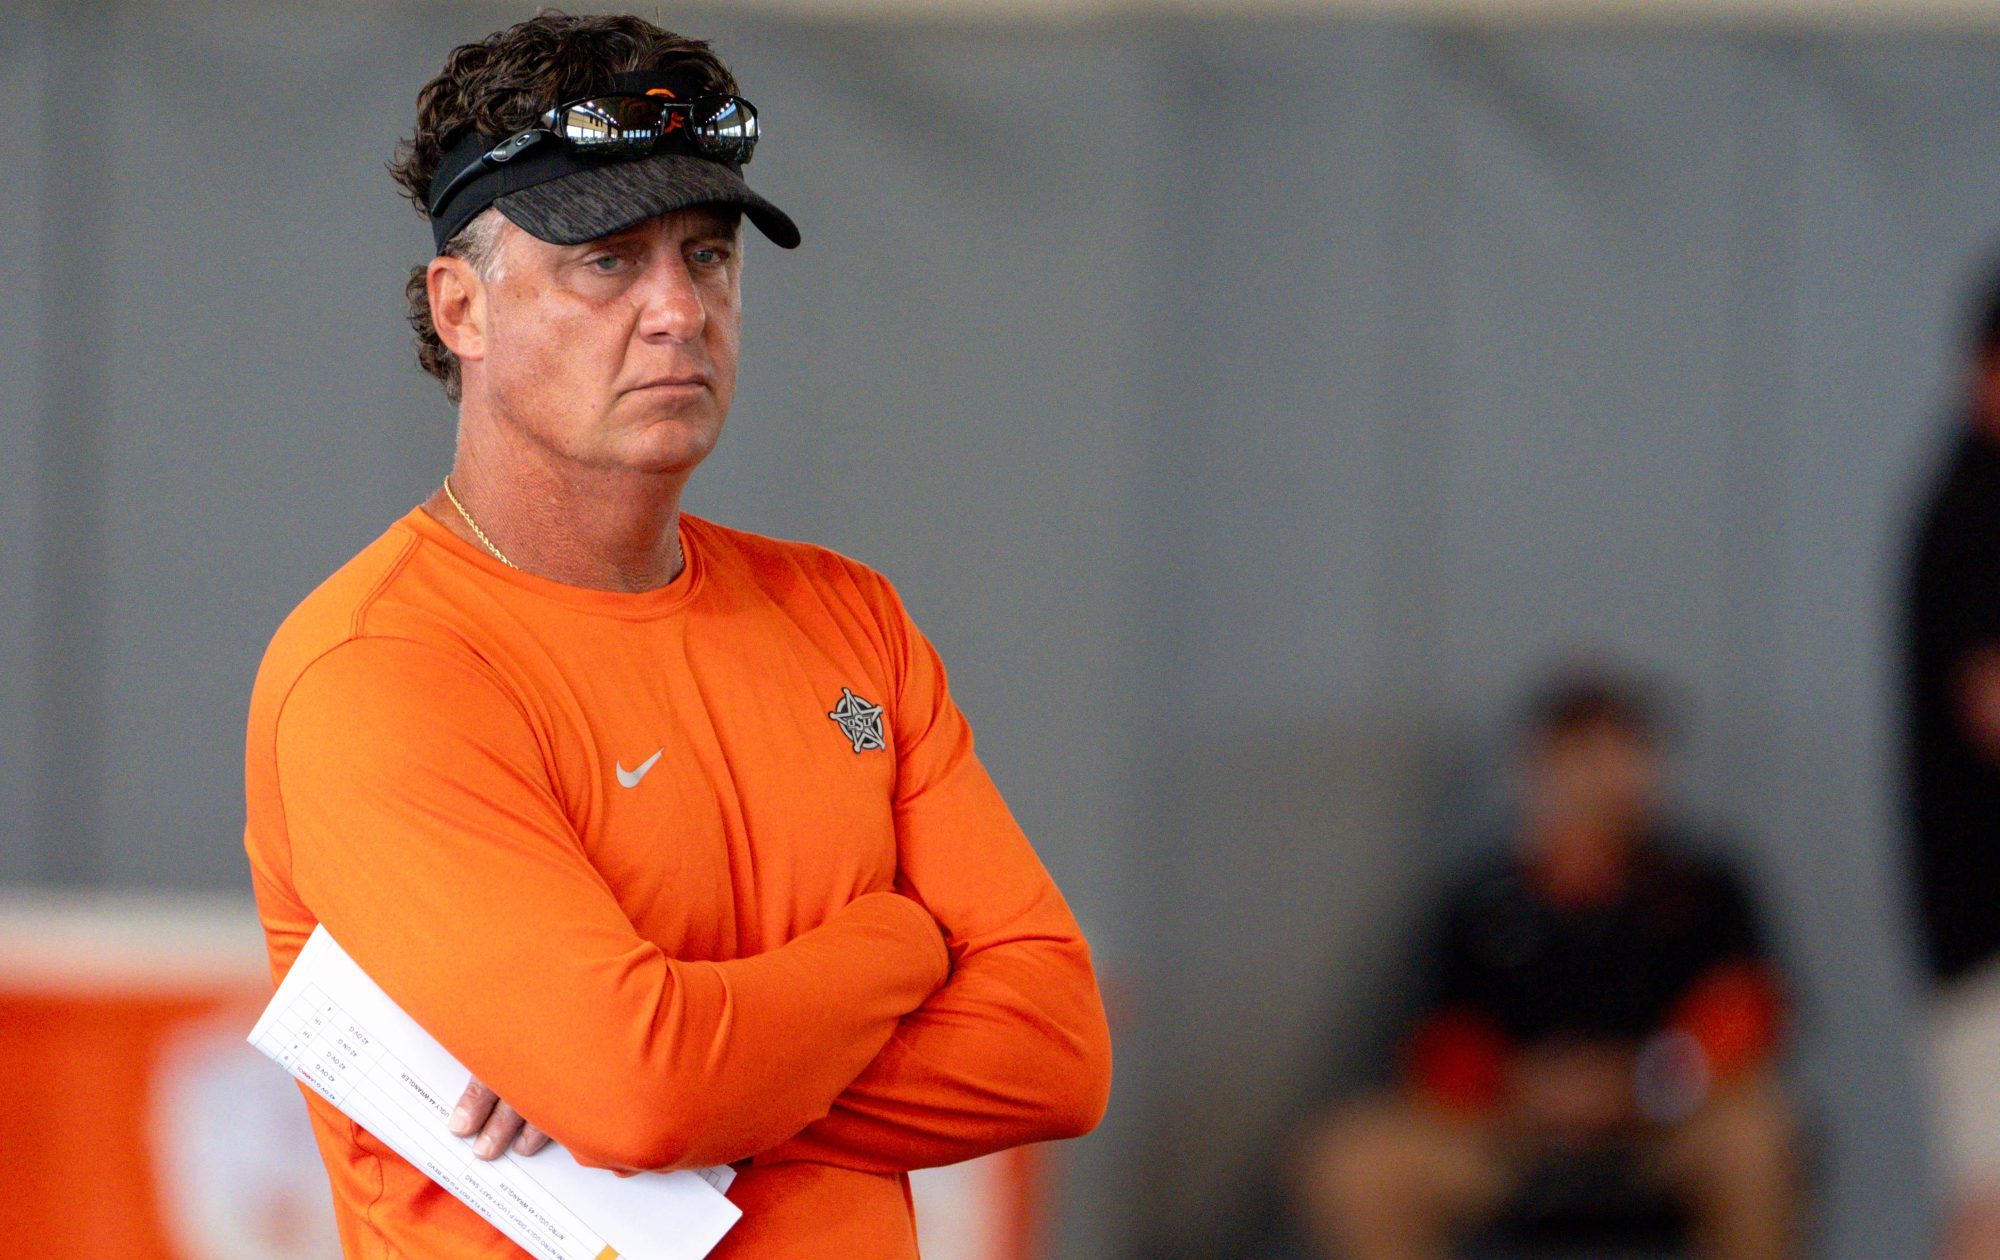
(336, 1030)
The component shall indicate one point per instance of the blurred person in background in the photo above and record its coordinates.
(1603, 1009)
(1952, 734)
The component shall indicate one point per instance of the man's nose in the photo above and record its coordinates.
(671, 307)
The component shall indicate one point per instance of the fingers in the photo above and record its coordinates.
(530, 1141)
(474, 1106)
(502, 1127)
(492, 1124)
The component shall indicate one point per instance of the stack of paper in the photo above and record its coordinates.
(334, 1028)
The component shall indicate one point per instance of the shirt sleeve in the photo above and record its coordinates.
(425, 835)
(1734, 1004)
(1732, 930)
(1014, 1047)
(1457, 1057)
(1735, 1013)
(1457, 1050)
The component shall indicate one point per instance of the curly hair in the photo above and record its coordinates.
(503, 84)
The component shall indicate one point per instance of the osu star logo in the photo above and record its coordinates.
(859, 720)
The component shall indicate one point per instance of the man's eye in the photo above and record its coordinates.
(708, 256)
(605, 264)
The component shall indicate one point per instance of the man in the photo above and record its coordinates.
(671, 833)
(1952, 674)
(1603, 1011)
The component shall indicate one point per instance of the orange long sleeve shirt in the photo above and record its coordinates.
(704, 874)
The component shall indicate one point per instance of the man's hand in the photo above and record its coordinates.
(1573, 1093)
(481, 1111)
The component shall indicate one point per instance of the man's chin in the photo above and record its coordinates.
(670, 444)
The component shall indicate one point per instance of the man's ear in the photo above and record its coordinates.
(458, 306)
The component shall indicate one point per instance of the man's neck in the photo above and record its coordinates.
(1580, 864)
(604, 529)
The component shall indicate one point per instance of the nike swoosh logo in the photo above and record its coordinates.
(630, 778)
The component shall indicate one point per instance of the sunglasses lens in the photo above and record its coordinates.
(617, 124)
(725, 128)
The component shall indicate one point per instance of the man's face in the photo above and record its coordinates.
(1598, 777)
(619, 353)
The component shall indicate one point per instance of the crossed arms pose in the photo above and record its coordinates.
(672, 833)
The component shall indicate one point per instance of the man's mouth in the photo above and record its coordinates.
(673, 383)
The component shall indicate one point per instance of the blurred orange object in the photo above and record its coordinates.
(75, 1160)
(137, 1124)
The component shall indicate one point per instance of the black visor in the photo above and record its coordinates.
(559, 194)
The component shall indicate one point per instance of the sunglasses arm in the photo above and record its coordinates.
(500, 153)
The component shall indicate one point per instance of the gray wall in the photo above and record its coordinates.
(1246, 408)
(1581, 339)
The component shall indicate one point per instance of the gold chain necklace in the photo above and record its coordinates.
(474, 526)
(680, 555)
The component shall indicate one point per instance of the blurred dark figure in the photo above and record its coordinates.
(1603, 1011)
(1952, 665)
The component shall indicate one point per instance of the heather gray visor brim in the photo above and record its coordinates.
(604, 199)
